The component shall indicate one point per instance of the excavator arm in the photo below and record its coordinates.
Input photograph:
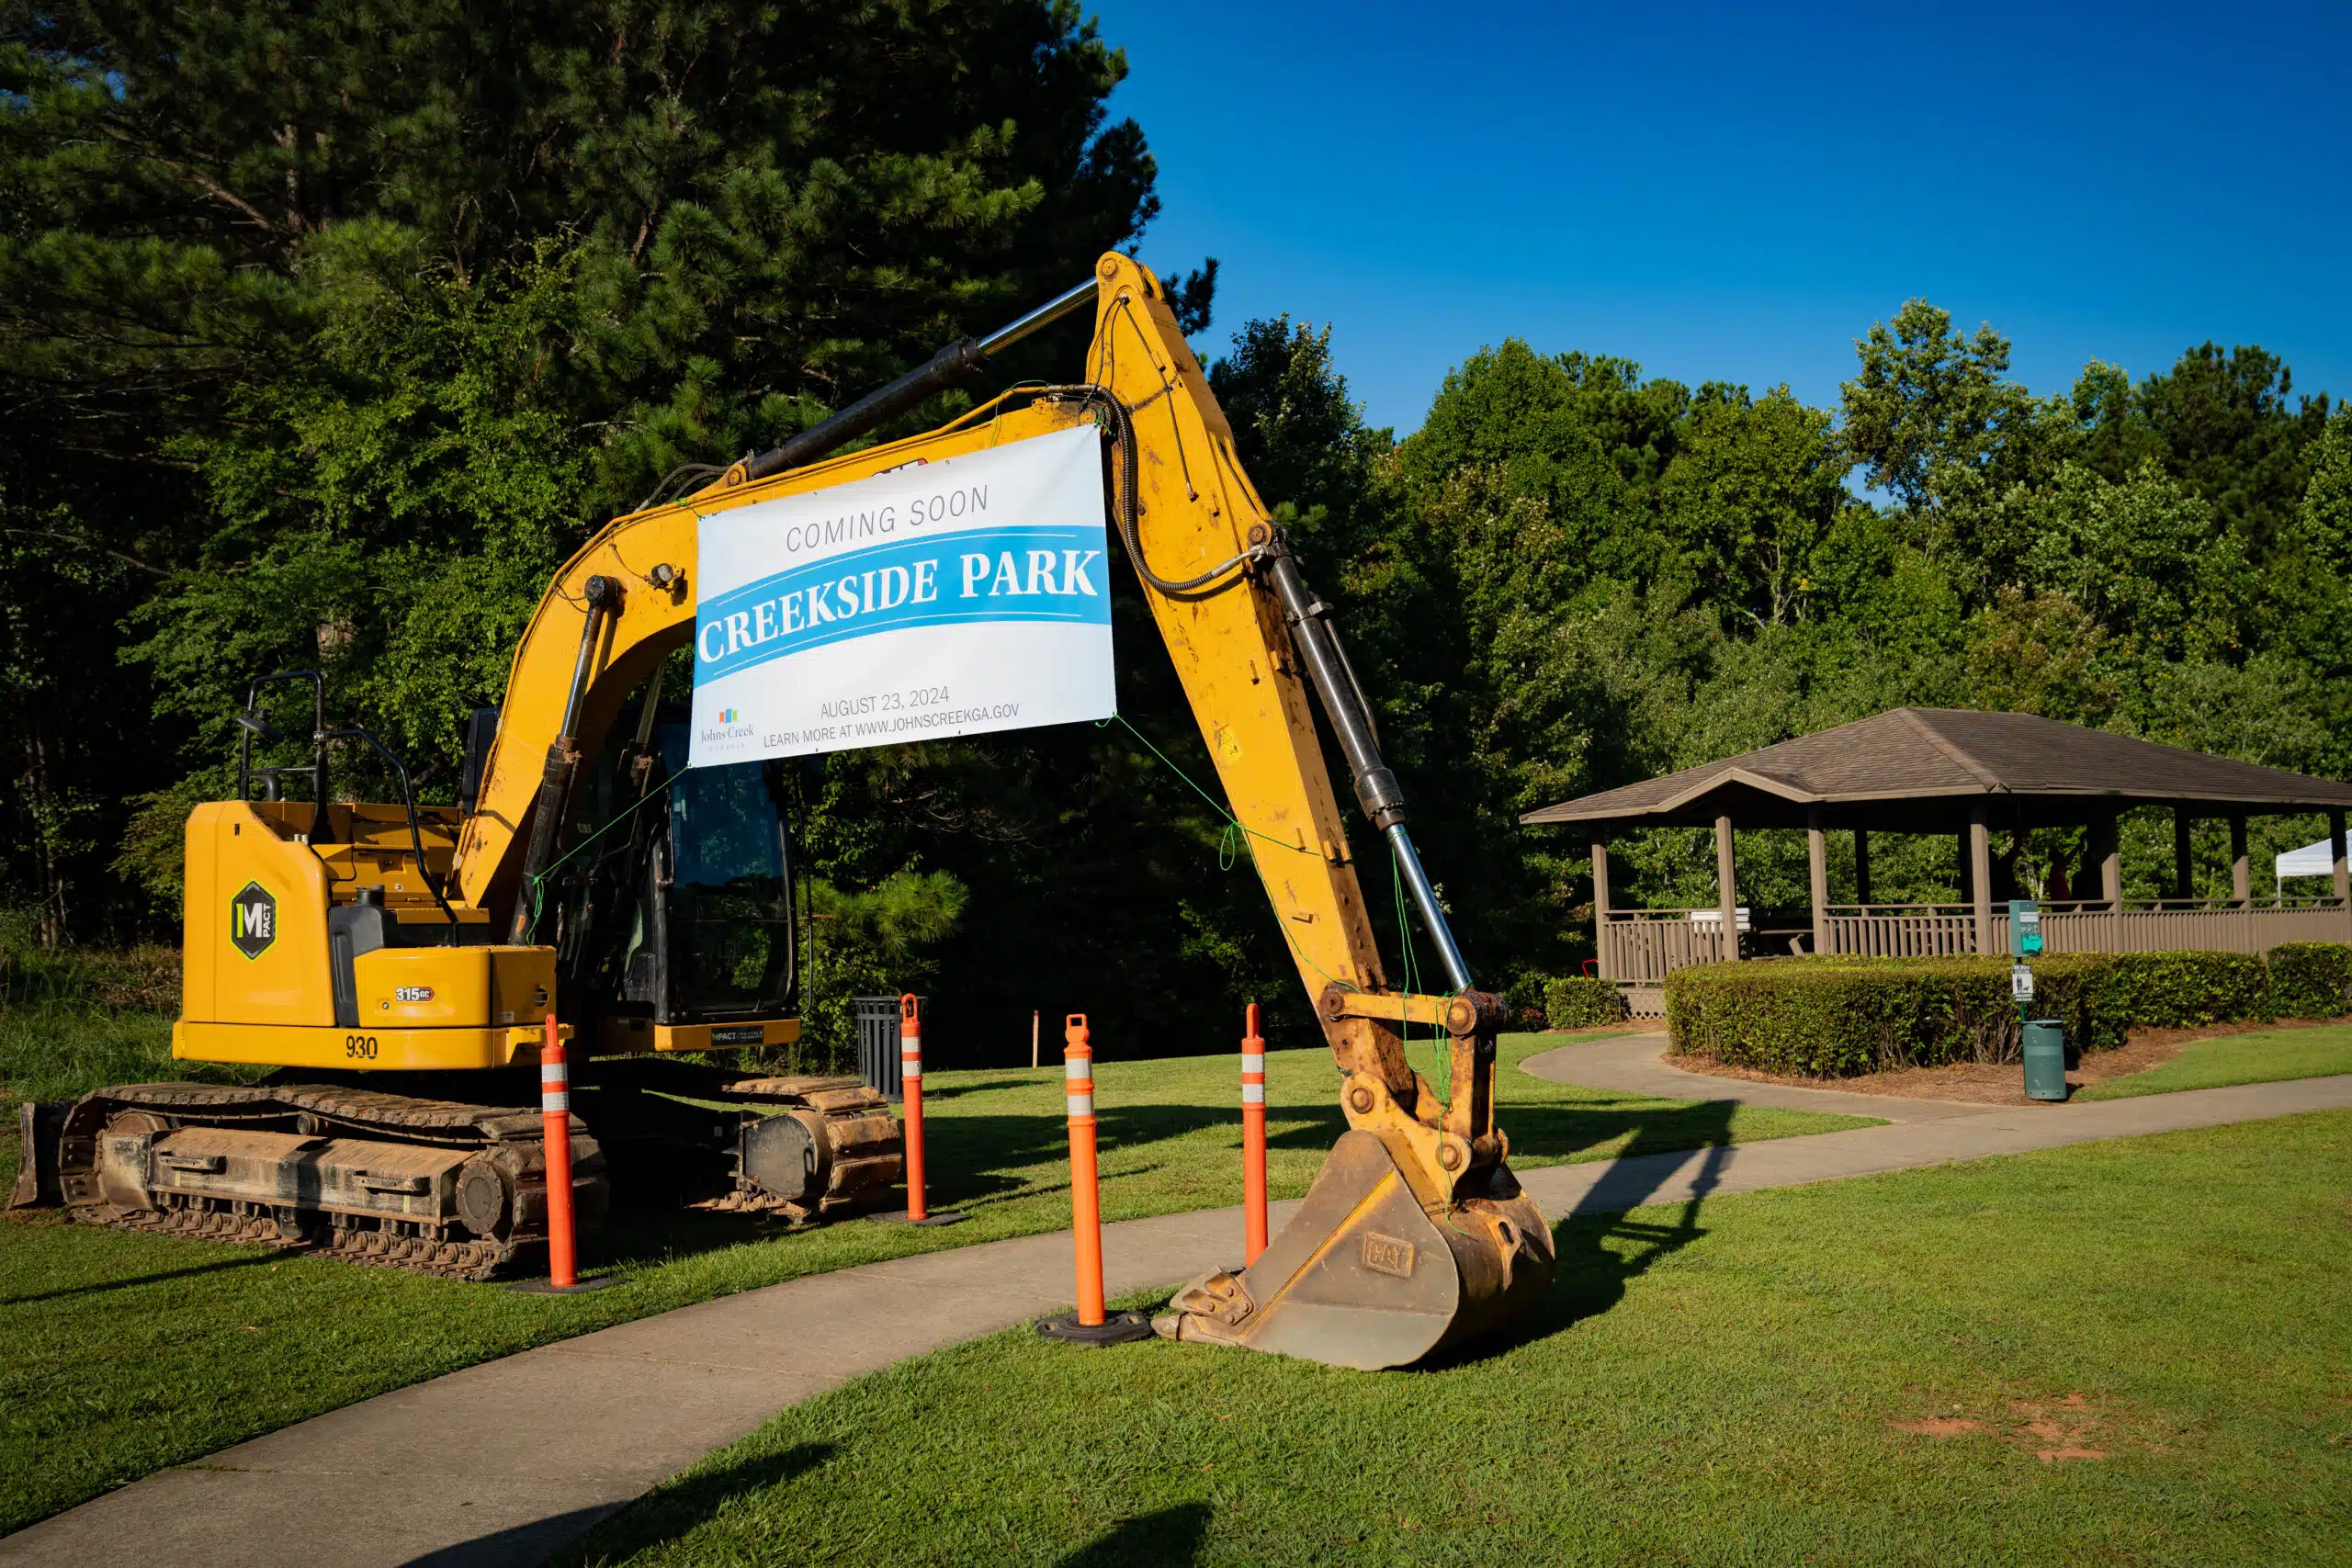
(1415, 1235)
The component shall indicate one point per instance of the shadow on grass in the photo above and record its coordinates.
(656, 1521)
(1563, 1132)
(1590, 1275)
(1171, 1537)
(212, 1267)
(976, 1159)
(1594, 1268)
(1167, 1538)
(933, 1094)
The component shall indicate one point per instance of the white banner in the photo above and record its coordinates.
(955, 597)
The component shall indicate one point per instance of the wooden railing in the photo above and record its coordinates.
(1646, 945)
(2218, 927)
(1643, 946)
(1913, 931)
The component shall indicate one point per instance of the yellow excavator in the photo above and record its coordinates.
(395, 963)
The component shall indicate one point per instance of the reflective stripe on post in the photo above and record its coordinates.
(555, 1131)
(1085, 1191)
(911, 1086)
(1253, 1140)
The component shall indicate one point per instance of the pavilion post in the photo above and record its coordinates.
(1980, 876)
(1817, 855)
(2184, 876)
(1726, 890)
(2107, 844)
(1862, 868)
(2241, 868)
(2335, 855)
(1600, 906)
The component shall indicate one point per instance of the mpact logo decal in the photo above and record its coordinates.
(253, 920)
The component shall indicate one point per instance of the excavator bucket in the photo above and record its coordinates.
(1367, 1275)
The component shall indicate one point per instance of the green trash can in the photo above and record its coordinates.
(2045, 1059)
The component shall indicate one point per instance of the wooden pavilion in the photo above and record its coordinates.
(1935, 771)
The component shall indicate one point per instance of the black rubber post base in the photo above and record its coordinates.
(549, 1288)
(1116, 1329)
(901, 1217)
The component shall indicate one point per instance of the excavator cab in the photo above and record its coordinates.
(678, 912)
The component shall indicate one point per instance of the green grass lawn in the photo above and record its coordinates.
(2239, 1058)
(121, 1353)
(2124, 1352)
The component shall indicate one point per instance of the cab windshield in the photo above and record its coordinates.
(730, 895)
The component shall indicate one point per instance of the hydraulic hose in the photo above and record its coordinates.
(1124, 505)
(954, 363)
(1377, 791)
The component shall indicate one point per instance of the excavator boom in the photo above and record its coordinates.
(1415, 1235)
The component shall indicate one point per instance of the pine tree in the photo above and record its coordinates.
(324, 329)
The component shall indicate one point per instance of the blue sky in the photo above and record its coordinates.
(1736, 193)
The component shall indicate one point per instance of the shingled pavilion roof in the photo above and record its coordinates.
(1906, 768)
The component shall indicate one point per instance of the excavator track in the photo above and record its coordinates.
(393, 1180)
(448, 1260)
(847, 1150)
(442, 1187)
(801, 1148)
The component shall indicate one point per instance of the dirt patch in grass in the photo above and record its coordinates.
(2056, 1431)
(2001, 1083)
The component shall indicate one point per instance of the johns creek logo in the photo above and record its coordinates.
(728, 716)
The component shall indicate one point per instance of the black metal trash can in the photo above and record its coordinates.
(878, 1043)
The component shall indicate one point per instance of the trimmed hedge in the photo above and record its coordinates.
(1833, 1017)
(2311, 979)
(2180, 990)
(1580, 1001)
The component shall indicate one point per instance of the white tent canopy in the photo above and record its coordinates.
(2311, 860)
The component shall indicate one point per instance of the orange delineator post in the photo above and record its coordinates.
(911, 1086)
(1085, 1194)
(555, 1127)
(1253, 1141)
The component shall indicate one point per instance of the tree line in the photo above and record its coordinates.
(327, 334)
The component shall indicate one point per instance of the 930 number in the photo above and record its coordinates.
(359, 1047)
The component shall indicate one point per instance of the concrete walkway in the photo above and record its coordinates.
(502, 1463)
(1917, 1132)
